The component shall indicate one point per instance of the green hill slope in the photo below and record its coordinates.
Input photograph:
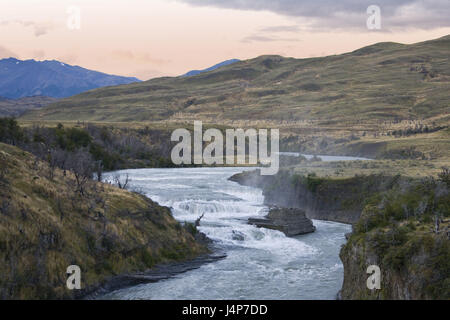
(46, 225)
(385, 81)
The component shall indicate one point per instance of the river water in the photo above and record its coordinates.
(323, 158)
(259, 263)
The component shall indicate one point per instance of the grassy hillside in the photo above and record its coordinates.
(424, 146)
(385, 82)
(15, 108)
(430, 146)
(47, 224)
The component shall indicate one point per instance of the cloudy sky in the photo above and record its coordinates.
(150, 38)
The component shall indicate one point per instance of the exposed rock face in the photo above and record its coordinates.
(418, 273)
(291, 221)
(413, 259)
(339, 200)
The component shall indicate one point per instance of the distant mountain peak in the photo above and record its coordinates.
(52, 78)
(214, 67)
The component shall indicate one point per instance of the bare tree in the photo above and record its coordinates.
(440, 190)
(3, 168)
(437, 222)
(444, 176)
(80, 163)
(56, 159)
(121, 184)
(197, 222)
(99, 170)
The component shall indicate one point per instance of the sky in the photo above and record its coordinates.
(153, 38)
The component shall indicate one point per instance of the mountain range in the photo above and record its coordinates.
(26, 78)
(382, 82)
(214, 67)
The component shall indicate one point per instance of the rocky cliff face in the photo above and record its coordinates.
(406, 233)
(291, 221)
(399, 224)
(420, 272)
(340, 200)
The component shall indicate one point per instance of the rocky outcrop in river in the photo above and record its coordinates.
(394, 228)
(291, 221)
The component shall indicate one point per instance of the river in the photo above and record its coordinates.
(322, 157)
(259, 263)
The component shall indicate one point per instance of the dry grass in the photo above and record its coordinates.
(45, 226)
(345, 169)
(383, 82)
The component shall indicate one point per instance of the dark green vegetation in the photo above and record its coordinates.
(407, 234)
(382, 82)
(401, 224)
(52, 214)
(326, 198)
(10, 131)
(388, 101)
(50, 219)
(105, 148)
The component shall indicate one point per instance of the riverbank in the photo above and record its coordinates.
(157, 273)
(51, 219)
(260, 263)
(399, 224)
(339, 200)
(109, 231)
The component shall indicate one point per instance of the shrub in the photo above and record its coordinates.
(191, 228)
(313, 182)
(72, 138)
(371, 218)
(444, 176)
(10, 132)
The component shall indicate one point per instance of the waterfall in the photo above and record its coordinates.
(260, 263)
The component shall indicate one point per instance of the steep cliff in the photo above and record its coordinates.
(399, 224)
(406, 234)
(334, 199)
(417, 269)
